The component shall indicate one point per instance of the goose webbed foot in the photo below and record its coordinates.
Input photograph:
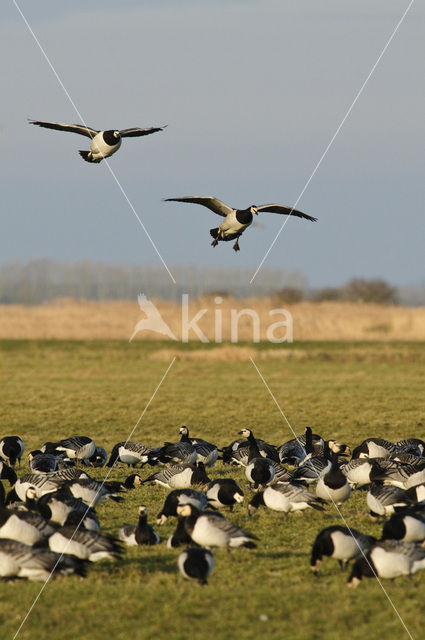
(236, 246)
(214, 243)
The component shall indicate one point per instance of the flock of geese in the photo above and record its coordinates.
(105, 143)
(49, 524)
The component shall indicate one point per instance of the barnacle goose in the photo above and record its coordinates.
(206, 452)
(210, 529)
(407, 525)
(97, 459)
(45, 482)
(61, 507)
(415, 446)
(180, 476)
(181, 452)
(342, 543)
(333, 485)
(40, 462)
(224, 492)
(130, 453)
(383, 499)
(196, 564)
(374, 448)
(311, 468)
(181, 496)
(285, 497)
(180, 536)
(24, 526)
(11, 449)
(75, 447)
(103, 143)
(93, 492)
(238, 451)
(400, 475)
(236, 220)
(7, 473)
(388, 559)
(259, 471)
(18, 560)
(141, 533)
(87, 545)
(358, 471)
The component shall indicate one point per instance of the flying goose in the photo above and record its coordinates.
(11, 449)
(341, 543)
(209, 529)
(181, 496)
(18, 560)
(388, 559)
(236, 220)
(103, 143)
(196, 564)
(141, 533)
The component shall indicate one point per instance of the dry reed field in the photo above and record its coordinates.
(80, 319)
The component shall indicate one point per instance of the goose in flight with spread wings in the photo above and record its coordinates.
(236, 220)
(103, 143)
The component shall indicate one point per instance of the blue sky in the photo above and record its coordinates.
(252, 93)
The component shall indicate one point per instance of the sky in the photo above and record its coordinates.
(252, 93)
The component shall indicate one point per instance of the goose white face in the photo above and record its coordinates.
(143, 511)
(245, 433)
(184, 510)
(183, 431)
(253, 210)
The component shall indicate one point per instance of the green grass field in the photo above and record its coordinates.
(52, 389)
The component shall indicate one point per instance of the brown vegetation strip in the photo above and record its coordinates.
(72, 319)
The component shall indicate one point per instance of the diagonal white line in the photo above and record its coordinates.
(136, 215)
(341, 124)
(92, 503)
(336, 506)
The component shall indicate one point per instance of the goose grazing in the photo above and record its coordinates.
(24, 526)
(18, 560)
(196, 564)
(382, 500)
(97, 459)
(358, 471)
(206, 452)
(333, 485)
(388, 559)
(312, 468)
(181, 496)
(286, 498)
(209, 529)
(224, 492)
(415, 446)
(93, 492)
(130, 453)
(141, 533)
(182, 452)
(40, 462)
(103, 143)
(180, 536)
(75, 448)
(236, 220)
(180, 476)
(406, 525)
(87, 545)
(61, 507)
(400, 475)
(341, 543)
(374, 448)
(45, 482)
(259, 471)
(11, 449)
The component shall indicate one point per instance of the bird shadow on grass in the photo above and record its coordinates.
(149, 564)
(276, 555)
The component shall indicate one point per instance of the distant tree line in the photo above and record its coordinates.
(42, 280)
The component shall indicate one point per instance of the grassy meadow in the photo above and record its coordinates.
(52, 389)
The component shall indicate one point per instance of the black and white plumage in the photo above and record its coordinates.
(236, 220)
(62, 507)
(130, 453)
(210, 529)
(141, 533)
(74, 448)
(45, 482)
(7, 473)
(196, 564)
(18, 560)
(11, 449)
(406, 525)
(400, 474)
(206, 452)
(97, 459)
(285, 497)
(333, 485)
(358, 471)
(374, 448)
(84, 544)
(103, 143)
(180, 536)
(178, 497)
(341, 543)
(388, 559)
(180, 476)
(24, 526)
(382, 500)
(259, 471)
(181, 452)
(40, 462)
(224, 492)
(93, 492)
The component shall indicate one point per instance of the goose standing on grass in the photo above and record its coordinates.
(97, 459)
(11, 449)
(141, 533)
(196, 564)
(285, 497)
(103, 143)
(333, 485)
(40, 462)
(75, 447)
(236, 220)
(61, 507)
(130, 453)
(341, 543)
(224, 492)
(382, 500)
(407, 525)
(259, 471)
(93, 492)
(206, 452)
(87, 545)
(181, 452)
(181, 496)
(18, 560)
(24, 526)
(388, 559)
(209, 529)
(180, 476)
